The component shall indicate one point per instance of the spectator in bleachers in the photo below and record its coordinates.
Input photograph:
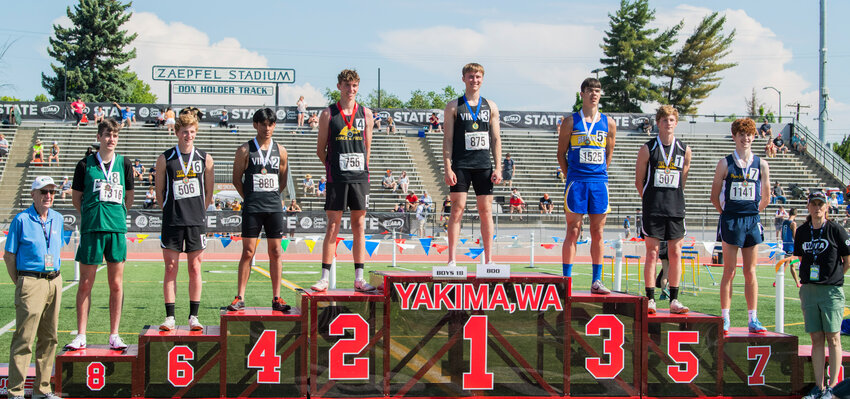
(150, 198)
(780, 144)
(764, 129)
(321, 187)
(78, 107)
(434, 123)
(99, 115)
(54, 153)
(236, 206)
(4, 146)
(377, 118)
(313, 121)
(770, 149)
(398, 208)
(128, 116)
(138, 169)
(302, 111)
(15, 116)
(388, 182)
(508, 166)
(309, 185)
(427, 200)
(170, 119)
(516, 202)
(421, 218)
(779, 218)
(160, 118)
(797, 143)
(65, 187)
(447, 208)
(412, 201)
(778, 194)
(627, 227)
(645, 126)
(293, 208)
(833, 203)
(223, 119)
(38, 151)
(403, 182)
(559, 174)
(545, 206)
(390, 125)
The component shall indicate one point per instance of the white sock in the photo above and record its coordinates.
(358, 274)
(752, 314)
(326, 274)
(724, 313)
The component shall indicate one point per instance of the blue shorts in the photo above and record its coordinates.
(587, 198)
(742, 231)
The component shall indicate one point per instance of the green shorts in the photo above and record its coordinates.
(96, 246)
(823, 307)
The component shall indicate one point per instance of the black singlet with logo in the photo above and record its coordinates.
(477, 157)
(346, 160)
(184, 201)
(663, 190)
(257, 200)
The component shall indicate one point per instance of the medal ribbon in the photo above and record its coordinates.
(264, 159)
(741, 162)
(191, 157)
(348, 122)
(587, 128)
(106, 173)
(669, 156)
(477, 108)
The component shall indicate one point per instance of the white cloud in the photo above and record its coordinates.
(175, 43)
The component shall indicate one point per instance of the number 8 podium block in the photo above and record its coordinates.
(97, 372)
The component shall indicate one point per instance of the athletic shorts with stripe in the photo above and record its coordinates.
(586, 198)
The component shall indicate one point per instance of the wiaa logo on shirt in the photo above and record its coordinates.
(815, 247)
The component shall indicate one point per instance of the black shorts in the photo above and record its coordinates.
(354, 196)
(184, 238)
(479, 178)
(253, 223)
(663, 228)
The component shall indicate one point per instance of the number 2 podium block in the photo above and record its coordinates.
(683, 355)
(97, 372)
(266, 353)
(180, 362)
(759, 365)
(347, 329)
(475, 336)
(606, 338)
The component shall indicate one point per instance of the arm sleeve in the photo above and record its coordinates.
(14, 235)
(128, 175)
(79, 182)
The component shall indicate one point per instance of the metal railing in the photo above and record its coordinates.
(824, 155)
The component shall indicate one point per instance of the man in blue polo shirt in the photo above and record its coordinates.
(32, 260)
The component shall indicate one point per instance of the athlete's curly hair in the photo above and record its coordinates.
(348, 75)
(744, 125)
(185, 119)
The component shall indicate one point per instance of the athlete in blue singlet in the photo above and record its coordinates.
(585, 145)
(788, 230)
(740, 190)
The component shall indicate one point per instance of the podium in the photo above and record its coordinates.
(527, 336)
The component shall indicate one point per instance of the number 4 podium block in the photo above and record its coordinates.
(97, 372)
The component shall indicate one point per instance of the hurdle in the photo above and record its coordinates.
(707, 267)
(628, 278)
(694, 273)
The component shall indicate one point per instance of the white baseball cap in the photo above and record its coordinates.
(42, 181)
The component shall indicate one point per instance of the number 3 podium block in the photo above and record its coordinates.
(97, 372)
(759, 365)
(474, 336)
(606, 335)
(683, 355)
(180, 362)
(347, 331)
(266, 353)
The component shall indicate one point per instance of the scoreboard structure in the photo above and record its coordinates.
(529, 336)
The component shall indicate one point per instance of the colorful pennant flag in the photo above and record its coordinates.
(284, 243)
(225, 241)
(426, 244)
(372, 246)
(474, 252)
(310, 245)
(348, 244)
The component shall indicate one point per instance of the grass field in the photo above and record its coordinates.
(143, 297)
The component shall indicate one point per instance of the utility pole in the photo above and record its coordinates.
(796, 111)
(379, 90)
(824, 93)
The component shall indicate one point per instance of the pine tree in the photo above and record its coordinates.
(692, 73)
(93, 49)
(632, 54)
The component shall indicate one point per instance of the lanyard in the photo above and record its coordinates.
(263, 159)
(348, 122)
(477, 109)
(48, 231)
(587, 128)
(191, 157)
(106, 173)
(748, 164)
(669, 156)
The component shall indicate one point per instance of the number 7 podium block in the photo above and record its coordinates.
(759, 365)
(97, 372)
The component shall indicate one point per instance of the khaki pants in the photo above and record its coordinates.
(37, 302)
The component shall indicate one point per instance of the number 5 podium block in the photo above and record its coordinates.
(97, 372)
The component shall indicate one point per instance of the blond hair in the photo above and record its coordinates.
(665, 111)
(472, 67)
(184, 120)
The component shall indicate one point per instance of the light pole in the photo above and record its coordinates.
(779, 110)
(596, 71)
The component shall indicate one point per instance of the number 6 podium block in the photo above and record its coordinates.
(97, 372)
(474, 336)
(180, 362)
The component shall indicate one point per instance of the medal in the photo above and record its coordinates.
(263, 171)
(587, 128)
(473, 114)
(185, 180)
(475, 125)
(746, 168)
(107, 174)
(264, 159)
(107, 187)
(185, 166)
(666, 157)
(349, 122)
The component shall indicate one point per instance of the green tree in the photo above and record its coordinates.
(439, 100)
(387, 100)
(91, 52)
(691, 74)
(632, 54)
(141, 93)
(9, 98)
(754, 105)
(577, 104)
(41, 98)
(418, 100)
(843, 149)
(332, 95)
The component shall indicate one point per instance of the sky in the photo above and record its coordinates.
(535, 53)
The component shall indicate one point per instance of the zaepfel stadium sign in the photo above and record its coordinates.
(223, 74)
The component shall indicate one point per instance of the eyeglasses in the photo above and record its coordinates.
(45, 192)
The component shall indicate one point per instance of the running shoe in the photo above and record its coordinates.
(827, 394)
(320, 286)
(237, 304)
(194, 324)
(116, 343)
(815, 393)
(598, 288)
(168, 324)
(79, 342)
(451, 264)
(651, 306)
(362, 286)
(756, 327)
(726, 325)
(676, 307)
(49, 395)
(279, 305)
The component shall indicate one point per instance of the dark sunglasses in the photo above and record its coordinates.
(45, 192)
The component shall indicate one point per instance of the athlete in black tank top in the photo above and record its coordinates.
(346, 159)
(471, 138)
(664, 189)
(184, 203)
(260, 181)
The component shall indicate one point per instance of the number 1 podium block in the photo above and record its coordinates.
(465, 337)
(606, 338)
(97, 372)
(347, 331)
(266, 353)
(180, 362)
(759, 365)
(683, 358)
